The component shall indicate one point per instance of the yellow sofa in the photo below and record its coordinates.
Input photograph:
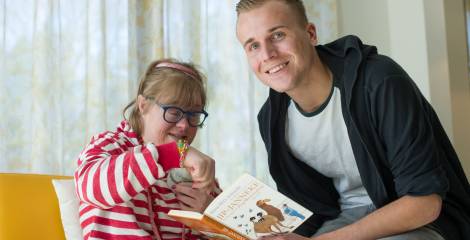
(29, 208)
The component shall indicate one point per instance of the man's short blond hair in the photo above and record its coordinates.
(296, 5)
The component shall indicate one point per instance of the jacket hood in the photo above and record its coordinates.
(342, 47)
(344, 56)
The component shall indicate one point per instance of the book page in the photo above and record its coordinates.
(254, 209)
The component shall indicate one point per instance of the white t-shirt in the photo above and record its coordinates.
(320, 139)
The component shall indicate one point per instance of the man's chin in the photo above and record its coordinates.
(280, 89)
(277, 85)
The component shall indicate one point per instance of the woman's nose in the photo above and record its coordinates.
(183, 122)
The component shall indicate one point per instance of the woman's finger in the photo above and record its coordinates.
(185, 188)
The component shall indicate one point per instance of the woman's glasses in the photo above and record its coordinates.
(172, 114)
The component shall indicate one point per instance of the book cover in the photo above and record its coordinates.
(206, 225)
(248, 209)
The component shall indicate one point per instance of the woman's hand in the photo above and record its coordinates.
(192, 199)
(201, 167)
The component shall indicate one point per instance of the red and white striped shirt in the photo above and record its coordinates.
(117, 175)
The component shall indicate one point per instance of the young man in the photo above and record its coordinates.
(349, 135)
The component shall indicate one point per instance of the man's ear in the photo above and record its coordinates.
(141, 104)
(312, 33)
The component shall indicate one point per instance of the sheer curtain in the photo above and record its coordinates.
(66, 72)
(67, 69)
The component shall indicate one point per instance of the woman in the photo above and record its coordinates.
(121, 177)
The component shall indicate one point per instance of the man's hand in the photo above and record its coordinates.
(293, 236)
(402, 215)
(201, 167)
(284, 236)
(192, 199)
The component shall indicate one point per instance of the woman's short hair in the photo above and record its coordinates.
(168, 85)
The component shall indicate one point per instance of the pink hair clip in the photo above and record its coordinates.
(180, 67)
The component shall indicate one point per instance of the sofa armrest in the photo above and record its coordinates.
(29, 208)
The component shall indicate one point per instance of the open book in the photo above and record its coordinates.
(248, 209)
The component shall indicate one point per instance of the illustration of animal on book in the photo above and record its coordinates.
(248, 209)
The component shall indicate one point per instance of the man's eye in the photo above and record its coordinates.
(254, 46)
(278, 35)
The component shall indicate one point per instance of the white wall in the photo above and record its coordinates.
(370, 26)
(427, 38)
(459, 78)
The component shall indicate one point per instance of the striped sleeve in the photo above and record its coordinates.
(112, 171)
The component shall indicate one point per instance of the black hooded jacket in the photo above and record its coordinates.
(398, 142)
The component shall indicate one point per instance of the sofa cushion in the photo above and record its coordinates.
(28, 207)
(68, 203)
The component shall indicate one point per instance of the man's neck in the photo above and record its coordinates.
(315, 88)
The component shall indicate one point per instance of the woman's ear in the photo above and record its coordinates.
(141, 104)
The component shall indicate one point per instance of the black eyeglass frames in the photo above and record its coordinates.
(173, 114)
